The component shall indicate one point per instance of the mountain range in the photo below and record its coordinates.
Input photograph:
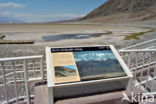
(10, 20)
(112, 11)
(123, 10)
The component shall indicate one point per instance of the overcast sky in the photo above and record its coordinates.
(47, 10)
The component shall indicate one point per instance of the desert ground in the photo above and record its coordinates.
(109, 34)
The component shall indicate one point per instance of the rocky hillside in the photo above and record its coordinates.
(139, 10)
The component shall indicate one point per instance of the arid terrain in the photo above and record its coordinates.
(108, 24)
(110, 34)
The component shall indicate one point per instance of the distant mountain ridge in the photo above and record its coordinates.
(126, 9)
(9, 20)
(61, 71)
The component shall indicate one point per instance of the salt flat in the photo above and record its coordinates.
(37, 31)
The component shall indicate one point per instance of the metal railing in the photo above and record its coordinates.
(143, 45)
(17, 76)
(142, 63)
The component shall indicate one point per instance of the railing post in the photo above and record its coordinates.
(142, 72)
(15, 83)
(26, 81)
(5, 84)
(148, 72)
(129, 60)
(154, 74)
(42, 68)
(34, 68)
(136, 65)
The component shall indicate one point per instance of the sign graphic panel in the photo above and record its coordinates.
(85, 63)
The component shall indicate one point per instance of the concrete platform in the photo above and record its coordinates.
(41, 97)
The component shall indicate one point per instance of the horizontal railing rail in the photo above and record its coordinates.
(137, 50)
(142, 45)
(21, 58)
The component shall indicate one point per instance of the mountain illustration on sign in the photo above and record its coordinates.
(65, 71)
(98, 64)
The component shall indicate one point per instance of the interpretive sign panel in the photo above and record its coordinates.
(79, 71)
(84, 63)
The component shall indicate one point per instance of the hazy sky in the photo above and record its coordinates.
(46, 10)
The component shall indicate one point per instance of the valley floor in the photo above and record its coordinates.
(115, 36)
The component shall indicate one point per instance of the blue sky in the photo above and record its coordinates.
(47, 10)
(70, 66)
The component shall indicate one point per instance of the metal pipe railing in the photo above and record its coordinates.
(141, 63)
(12, 75)
(5, 83)
(142, 45)
(21, 58)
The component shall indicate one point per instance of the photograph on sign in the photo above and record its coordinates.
(65, 71)
(98, 65)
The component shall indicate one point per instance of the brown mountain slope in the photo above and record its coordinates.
(124, 9)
